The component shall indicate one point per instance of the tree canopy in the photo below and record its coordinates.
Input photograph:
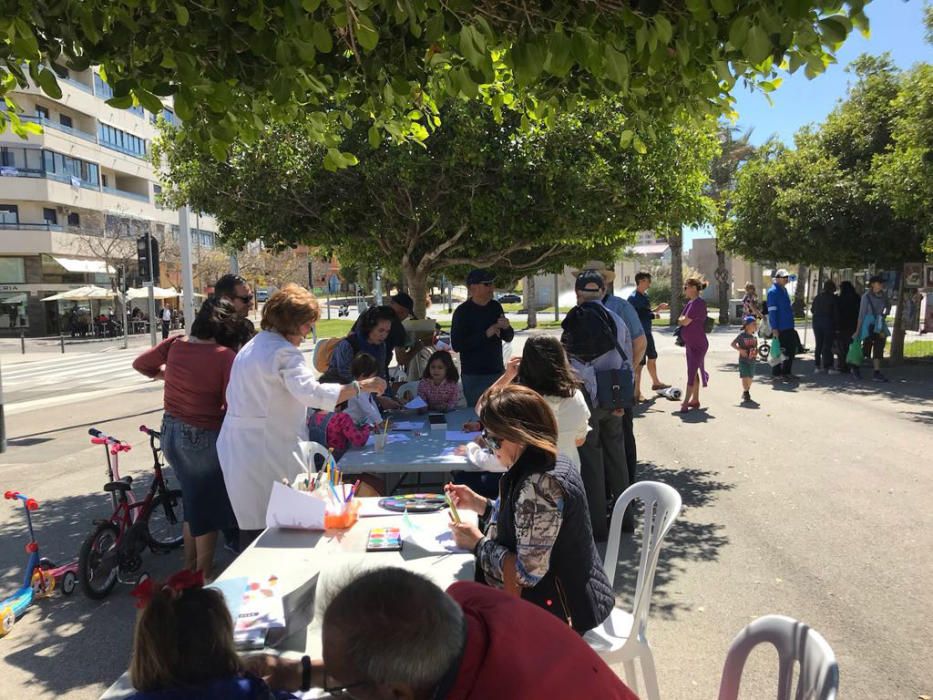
(829, 201)
(476, 193)
(392, 64)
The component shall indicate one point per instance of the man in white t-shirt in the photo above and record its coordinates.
(166, 321)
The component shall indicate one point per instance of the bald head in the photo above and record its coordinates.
(394, 632)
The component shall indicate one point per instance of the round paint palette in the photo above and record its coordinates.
(414, 502)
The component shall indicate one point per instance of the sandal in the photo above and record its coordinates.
(659, 387)
(694, 404)
(684, 408)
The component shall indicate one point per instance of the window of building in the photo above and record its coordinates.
(102, 89)
(26, 160)
(65, 120)
(12, 271)
(42, 112)
(74, 219)
(61, 167)
(121, 141)
(50, 216)
(9, 214)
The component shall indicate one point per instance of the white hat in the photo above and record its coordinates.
(780, 273)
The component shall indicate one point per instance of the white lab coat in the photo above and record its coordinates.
(270, 389)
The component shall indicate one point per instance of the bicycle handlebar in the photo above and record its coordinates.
(100, 438)
(31, 503)
(150, 432)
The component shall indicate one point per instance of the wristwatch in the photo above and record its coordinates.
(305, 674)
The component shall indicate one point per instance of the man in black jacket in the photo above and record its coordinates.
(477, 332)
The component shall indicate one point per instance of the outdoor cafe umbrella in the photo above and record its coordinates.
(87, 293)
(157, 293)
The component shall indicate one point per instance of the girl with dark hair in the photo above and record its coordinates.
(824, 316)
(440, 383)
(183, 645)
(539, 541)
(544, 368)
(196, 370)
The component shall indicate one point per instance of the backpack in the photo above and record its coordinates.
(589, 333)
(324, 350)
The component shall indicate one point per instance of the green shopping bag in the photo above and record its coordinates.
(854, 355)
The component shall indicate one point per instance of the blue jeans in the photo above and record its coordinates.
(192, 452)
(475, 384)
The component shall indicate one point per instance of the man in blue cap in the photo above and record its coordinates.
(477, 332)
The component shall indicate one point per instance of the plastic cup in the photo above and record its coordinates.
(380, 442)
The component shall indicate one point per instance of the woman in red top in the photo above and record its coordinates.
(196, 370)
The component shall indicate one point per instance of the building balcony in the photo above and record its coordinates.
(125, 193)
(124, 151)
(23, 226)
(48, 123)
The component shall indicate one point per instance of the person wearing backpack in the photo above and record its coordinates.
(872, 329)
(599, 348)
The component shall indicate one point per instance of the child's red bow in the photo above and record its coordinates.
(177, 582)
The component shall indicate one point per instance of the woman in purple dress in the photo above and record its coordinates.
(692, 324)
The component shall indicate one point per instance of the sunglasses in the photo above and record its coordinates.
(246, 299)
(493, 441)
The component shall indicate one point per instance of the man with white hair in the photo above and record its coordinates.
(391, 634)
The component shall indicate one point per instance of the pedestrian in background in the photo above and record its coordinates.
(872, 328)
(824, 322)
(642, 304)
(846, 321)
(166, 321)
(237, 291)
(747, 346)
(693, 334)
(750, 301)
(781, 319)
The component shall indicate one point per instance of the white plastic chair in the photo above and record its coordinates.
(621, 637)
(409, 388)
(795, 643)
(310, 448)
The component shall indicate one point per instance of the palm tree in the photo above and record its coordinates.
(735, 150)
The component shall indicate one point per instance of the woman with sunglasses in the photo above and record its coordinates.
(692, 324)
(538, 543)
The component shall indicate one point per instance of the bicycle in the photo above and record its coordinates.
(113, 551)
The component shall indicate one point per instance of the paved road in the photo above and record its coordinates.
(815, 505)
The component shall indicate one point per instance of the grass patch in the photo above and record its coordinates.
(336, 327)
(919, 348)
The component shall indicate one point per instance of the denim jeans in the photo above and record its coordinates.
(192, 453)
(475, 384)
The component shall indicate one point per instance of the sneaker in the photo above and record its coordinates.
(878, 377)
(746, 396)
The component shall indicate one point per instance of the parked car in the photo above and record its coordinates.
(510, 299)
(262, 295)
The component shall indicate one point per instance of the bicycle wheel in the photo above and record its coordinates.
(166, 525)
(98, 563)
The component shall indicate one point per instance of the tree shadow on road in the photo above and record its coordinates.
(69, 643)
(689, 539)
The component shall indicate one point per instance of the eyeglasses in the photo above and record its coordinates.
(493, 441)
(245, 299)
(340, 691)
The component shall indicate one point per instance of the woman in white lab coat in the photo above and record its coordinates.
(270, 389)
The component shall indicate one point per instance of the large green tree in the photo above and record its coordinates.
(821, 204)
(391, 64)
(476, 193)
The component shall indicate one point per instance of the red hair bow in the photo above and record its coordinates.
(176, 583)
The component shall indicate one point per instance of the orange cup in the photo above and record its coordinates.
(345, 520)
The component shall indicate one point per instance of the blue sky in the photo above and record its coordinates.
(896, 27)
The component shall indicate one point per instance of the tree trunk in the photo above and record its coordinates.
(722, 285)
(676, 241)
(531, 302)
(418, 288)
(897, 335)
(800, 293)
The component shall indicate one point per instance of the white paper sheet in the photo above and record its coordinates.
(416, 403)
(390, 438)
(430, 533)
(460, 436)
(406, 425)
(294, 509)
(260, 610)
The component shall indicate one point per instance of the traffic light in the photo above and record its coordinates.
(146, 245)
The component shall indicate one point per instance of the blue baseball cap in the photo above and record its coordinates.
(480, 277)
(747, 320)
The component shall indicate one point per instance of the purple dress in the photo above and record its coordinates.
(695, 341)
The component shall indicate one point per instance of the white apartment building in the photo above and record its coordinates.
(66, 193)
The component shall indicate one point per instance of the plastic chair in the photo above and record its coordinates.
(795, 643)
(410, 388)
(312, 449)
(621, 637)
